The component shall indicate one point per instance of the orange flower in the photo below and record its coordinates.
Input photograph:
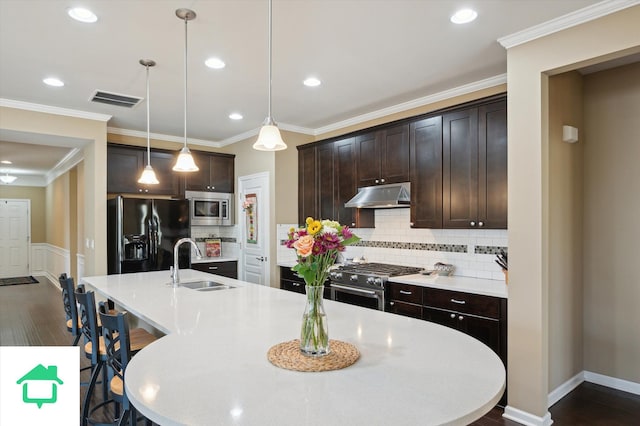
(304, 245)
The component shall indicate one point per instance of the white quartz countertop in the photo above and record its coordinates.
(212, 367)
(485, 287)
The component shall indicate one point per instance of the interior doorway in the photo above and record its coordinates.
(254, 219)
(15, 237)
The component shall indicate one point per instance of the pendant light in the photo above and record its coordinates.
(269, 138)
(8, 178)
(185, 161)
(148, 176)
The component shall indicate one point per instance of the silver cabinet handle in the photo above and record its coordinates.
(377, 181)
(353, 224)
(460, 317)
(481, 223)
(460, 302)
(296, 284)
(213, 268)
(392, 303)
(382, 180)
(472, 223)
(405, 292)
(453, 316)
(410, 223)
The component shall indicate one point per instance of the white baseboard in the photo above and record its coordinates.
(612, 382)
(561, 391)
(525, 418)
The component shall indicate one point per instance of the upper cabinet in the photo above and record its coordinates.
(216, 173)
(475, 167)
(326, 180)
(125, 165)
(383, 156)
(426, 173)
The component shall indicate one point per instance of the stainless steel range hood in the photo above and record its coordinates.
(381, 196)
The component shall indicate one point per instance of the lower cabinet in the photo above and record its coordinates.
(479, 316)
(227, 269)
(290, 281)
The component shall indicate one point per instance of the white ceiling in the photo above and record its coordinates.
(370, 55)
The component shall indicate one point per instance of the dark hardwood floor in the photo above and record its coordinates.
(32, 314)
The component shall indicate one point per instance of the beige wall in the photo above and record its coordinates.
(80, 208)
(38, 203)
(94, 132)
(58, 212)
(565, 230)
(611, 227)
(528, 66)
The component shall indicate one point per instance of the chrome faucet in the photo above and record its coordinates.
(175, 276)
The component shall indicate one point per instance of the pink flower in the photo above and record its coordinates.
(304, 245)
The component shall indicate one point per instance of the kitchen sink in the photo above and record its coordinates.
(205, 285)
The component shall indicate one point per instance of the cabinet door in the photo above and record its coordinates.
(345, 186)
(221, 169)
(442, 317)
(426, 173)
(325, 181)
(368, 159)
(460, 169)
(307, 196)
(406, 309)
(198, 181)
(162, 163)
(394, 153)
(492, 165)
(226, 269)
(484, 329)
(124, 166)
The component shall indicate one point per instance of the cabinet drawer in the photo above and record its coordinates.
(227, 269)
(406, 309)
(287, 274)
(474, 304)
(296, 286)
(404, 293)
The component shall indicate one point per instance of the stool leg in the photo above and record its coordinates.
(87, 399)
(75, 342)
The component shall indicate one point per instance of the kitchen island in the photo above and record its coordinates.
(212, 366)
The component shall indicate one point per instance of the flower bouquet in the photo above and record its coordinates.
(317, 245)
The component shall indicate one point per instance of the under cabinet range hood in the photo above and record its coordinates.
(381, 196)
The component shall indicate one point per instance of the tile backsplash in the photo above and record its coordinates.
(471, 251)
(230, 245)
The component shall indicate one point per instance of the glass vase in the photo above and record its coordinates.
(314, 334)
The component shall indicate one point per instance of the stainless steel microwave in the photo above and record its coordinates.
(210, 208)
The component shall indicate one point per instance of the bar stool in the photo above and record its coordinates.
(95, 348)
(70, 307)
(117, 339)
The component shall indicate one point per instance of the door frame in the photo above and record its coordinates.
(28, 201)
(266, 210)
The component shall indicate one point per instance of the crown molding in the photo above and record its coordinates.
(569, 20)
(74, 157)
(28, 106)
(416, 103)
(161, 137)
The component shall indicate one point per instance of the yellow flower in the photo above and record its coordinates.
(309, 220)
(314, 227)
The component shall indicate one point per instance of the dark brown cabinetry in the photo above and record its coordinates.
(226, 269)
(426, 173)
(125, 165)
(404, 299)
(215, 174)
(290, 281)
(327, 180)
(474, 167)
(383, 156)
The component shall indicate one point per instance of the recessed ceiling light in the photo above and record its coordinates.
(83, 15)
(6, 162)
(312, 82)
(464, 16)
(52, 81)
(215, 63)
(235, 116)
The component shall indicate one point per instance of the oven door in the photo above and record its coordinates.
(367, 298)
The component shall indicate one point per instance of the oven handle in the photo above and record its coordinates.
(356, 290)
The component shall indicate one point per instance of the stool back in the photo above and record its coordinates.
(115, 330)
(89, 321)
(69, 302)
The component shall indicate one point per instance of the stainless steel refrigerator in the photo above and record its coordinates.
(141, 234)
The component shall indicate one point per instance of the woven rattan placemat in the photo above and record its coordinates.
(287, 355)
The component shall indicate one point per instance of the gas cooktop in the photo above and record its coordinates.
(382, 269)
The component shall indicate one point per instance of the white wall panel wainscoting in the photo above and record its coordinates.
(50, 261)
(80, 263)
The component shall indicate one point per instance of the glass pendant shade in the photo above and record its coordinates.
(148, 176)
(269, 138)
(8, 179)
(185, 162)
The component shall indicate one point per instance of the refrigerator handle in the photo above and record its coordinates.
(119, 231)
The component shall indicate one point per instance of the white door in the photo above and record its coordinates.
(15, 233)
(253, 218)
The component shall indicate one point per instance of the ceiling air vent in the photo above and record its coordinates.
(115, 99)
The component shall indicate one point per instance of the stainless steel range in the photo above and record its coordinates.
(363, 284)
